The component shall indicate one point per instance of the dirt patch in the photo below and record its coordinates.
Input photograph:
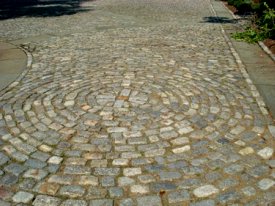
(230, 7)
(270, 43)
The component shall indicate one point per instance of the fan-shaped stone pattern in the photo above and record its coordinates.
(127, 113)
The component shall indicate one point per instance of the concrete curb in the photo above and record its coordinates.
(241, 66)
(267, 50)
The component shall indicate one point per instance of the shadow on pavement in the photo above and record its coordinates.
(219, 20)
(39, 8)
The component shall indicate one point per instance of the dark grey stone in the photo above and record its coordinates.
(223, 141)
(42, 200)
(204, 203)
(213, 176)
(40, 156)
(15, 169)
(27, 184)
(3, 158)
(74, 203)
(169, 175)
(126, 202)
(233, 169)
(115, 192)
(53, 168)
(227, 183)
(149, 200)
(107, 171)
(156, 187)
(178, 196)
(4, 203)
(258, 171)
(228, 197)
(154, 168)
(77, 170)
(189, 183)
(177, 165)
(9, 179)
(107, 181)
(96, 193)
(35, 164)
(101, 202)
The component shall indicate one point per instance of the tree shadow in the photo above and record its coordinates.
(219, 20)
(39, 8)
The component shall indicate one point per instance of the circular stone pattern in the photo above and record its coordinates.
(131, 113)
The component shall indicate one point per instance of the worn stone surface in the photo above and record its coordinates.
(101, 202)
(266, 152)
(132, 103)
(74, 203)
(204, 203)
(22, 197)
(149, 200)
(265, 184)
(205, 191)
(41, 200)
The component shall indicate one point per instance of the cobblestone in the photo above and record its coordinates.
(204, 203)
(126, 202)
(178, 196)
(4, 203)
(3, 159)
(35, 174)
(266, 153)
(265, 184)
(205, 191)
(22, 197)
(149, 200)
(74, 203)
(115, 192)
(41, 200)
(130, 99)
(249, 191)
(15, 169)
(228, 197)
(103, 202)
(9, 179)
(72, 191)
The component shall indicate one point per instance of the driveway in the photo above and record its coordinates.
(132, 102)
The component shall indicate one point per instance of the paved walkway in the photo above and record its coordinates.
(133, 102)
(13, 61)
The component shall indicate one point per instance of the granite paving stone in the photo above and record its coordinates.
(4, 203)
(3, 158)
(204, 203)
(72, 191)
(132, 102)
(74, 203)
(249, 191)
(178, 196)
(101, 202)
(41, 200)
(22, 197)
(149, 200)
(265, 184)
(205, 190)
(126, 202)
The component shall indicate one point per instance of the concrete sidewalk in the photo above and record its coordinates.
(259, 65)
(12, 63)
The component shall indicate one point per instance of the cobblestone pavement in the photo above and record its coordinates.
(134, 102)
